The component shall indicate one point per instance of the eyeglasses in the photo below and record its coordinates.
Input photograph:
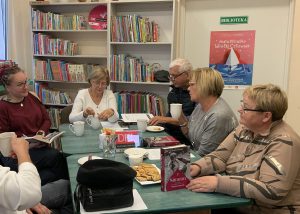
(100, 83)
(173, 77)
(249, 109)
(191, 84)
(23, 84)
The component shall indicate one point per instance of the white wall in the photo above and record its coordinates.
(271, 19)
(293, 113)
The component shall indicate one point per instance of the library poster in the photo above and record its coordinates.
(232, 54)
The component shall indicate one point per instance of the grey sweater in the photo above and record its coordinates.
(208, 129)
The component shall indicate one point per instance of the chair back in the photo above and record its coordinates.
(64, 114)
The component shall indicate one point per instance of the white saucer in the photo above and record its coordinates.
(155, 128)
(85, 159)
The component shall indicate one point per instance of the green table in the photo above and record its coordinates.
(88, 143)
(166, 202)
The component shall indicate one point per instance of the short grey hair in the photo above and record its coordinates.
(183, 64)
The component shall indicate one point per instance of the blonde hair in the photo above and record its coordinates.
(183, 64)
(209, 82)
(269, 97)
(99, 73)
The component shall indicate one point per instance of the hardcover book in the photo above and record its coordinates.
(160, 141)
(175, 172)
(127, 139)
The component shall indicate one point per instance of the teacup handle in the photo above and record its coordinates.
(89, 120)
(71, 127)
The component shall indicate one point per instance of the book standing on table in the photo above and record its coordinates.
(175, 173)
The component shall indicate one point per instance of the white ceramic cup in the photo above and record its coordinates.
(175, 110)
(77, 128)
(94, 122)
(5, 144)
(142, 124)
(135, 159)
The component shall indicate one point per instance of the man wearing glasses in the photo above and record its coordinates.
(179, 70)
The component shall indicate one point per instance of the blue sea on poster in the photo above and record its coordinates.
(240, 74)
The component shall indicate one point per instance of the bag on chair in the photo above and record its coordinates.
(103, 185)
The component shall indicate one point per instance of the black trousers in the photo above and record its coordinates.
(50, 163)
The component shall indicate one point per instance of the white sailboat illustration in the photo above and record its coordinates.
(232, 60)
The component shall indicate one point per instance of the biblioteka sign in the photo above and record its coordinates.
(232, 20)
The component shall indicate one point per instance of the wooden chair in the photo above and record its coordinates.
(64, 114)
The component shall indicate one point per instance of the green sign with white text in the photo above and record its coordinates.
(233, 20)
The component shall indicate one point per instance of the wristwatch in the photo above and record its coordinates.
(183, 125)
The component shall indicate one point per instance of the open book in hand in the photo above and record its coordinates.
(49, 138)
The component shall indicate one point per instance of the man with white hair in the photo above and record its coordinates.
(179, 70)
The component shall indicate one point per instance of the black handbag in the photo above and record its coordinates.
(104, 185)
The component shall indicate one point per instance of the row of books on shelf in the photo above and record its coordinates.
(54, 21)
(132, 69)
(48, 96)
(45, 45)
(133, 28)
(60, 70)
(141, 102)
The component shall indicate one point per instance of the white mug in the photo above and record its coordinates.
(94, 122)
(135, 160)
(5, 144)
(142, 124)
(175, 110)
(77, 128)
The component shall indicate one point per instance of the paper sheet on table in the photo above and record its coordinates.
(115, 126)
(138, 204)
(154, 154)
(132, 118)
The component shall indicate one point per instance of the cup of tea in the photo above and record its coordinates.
(142, 124)
(5, 144)
(135, 159)
(175, 110)
(77, 128)
(94, 122)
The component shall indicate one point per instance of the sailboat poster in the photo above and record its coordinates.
(232, 54)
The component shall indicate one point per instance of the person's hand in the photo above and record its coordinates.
(194, 170)
(19, 146)
(203, 184)
(104, 115)
(88, 111)
(157, 119)
(39, 209)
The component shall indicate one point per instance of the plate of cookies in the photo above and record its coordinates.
(147, 174)
(155, 128)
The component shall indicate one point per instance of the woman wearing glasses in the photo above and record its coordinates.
(212, 119)
(260, 158)
(23, 113)
(95, 100)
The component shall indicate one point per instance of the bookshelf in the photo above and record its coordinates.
(65, 48)
(92, 46)
(141, 34)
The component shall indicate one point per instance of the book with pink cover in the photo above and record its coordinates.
(175, 162)
(161, 141)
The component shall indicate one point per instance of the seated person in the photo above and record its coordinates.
(23, 190)
(260, 158)
(23, 113)
(95, 100)
(212, 119)
(179, 70)
(19, 191)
